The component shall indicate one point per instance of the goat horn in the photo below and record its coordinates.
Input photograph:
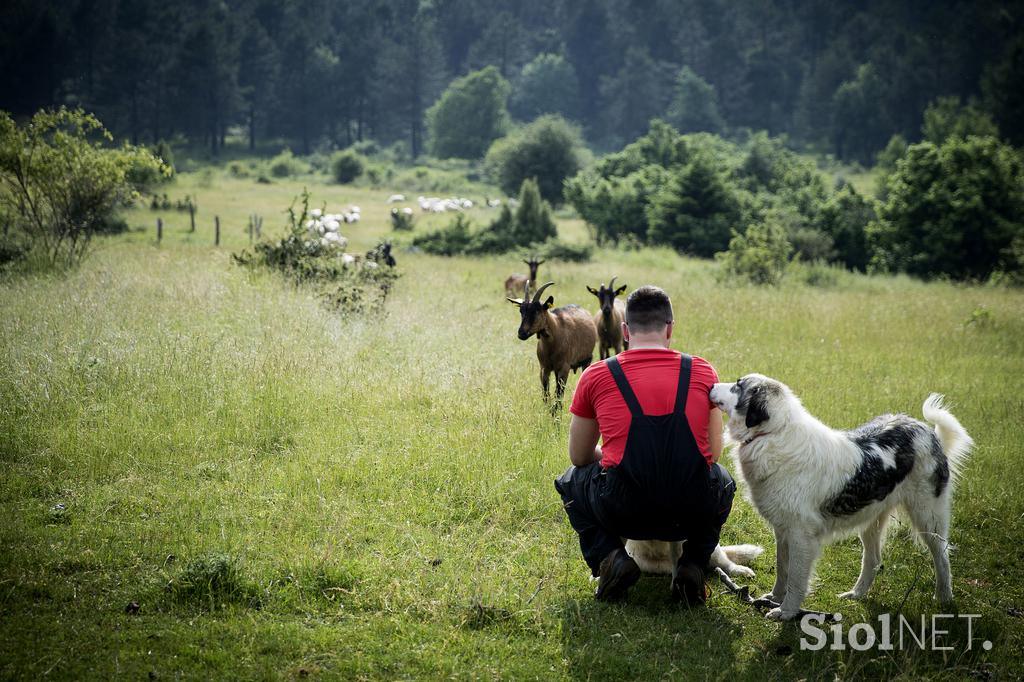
(536, 296)
(611, 284)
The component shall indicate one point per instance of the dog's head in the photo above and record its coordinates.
(755, 403)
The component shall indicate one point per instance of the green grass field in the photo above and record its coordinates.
(372, 498)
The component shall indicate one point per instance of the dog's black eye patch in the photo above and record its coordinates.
(757, 407)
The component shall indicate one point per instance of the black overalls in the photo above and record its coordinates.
(661, 490)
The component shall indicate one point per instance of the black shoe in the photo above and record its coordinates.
(618, 573)
(688, 584)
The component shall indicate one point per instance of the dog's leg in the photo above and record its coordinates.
(802, 550)
(778, 592)
(871, 558)
(719, 559)
(931, 520)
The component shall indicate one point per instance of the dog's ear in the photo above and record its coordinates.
(757, 407)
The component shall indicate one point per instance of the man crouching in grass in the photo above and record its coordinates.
(655, 476)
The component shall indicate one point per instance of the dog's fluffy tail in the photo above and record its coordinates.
(742, 554)
(955, 441)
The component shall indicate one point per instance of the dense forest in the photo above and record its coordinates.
(834, 76)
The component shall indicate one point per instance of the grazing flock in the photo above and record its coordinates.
(566, 335)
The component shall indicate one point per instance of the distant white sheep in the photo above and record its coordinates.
(395, 198)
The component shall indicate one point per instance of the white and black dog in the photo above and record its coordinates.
(813, 483)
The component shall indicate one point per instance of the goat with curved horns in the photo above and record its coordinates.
(608, 319)
(516, 282)
(565, 337)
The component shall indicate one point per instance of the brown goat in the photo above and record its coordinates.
(565, 338)
(515, 283)
(608, 319)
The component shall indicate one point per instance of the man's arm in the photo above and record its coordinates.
(583, 436)
(715, 433)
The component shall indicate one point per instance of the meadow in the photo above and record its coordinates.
(208, 474)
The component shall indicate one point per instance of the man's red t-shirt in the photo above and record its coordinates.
(653, 374)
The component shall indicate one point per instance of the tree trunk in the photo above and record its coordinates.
(252, 127)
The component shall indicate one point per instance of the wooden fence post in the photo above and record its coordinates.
(159, 230)
(192, 214)
(252, 229)
(216, 231)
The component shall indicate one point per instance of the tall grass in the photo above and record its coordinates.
(285, 493)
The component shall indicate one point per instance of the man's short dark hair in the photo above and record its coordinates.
(648, 309)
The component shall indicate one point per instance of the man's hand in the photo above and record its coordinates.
(583, 436)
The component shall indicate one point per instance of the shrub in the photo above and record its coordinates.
(285, 165)
(346, 283)
(401, 222)
(59, 187)
(237, 169)
(346, 166)
(550, 150)
(759, 256)
(449, 241)
(951, 209)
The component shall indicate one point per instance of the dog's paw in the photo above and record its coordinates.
(777, 614)
(852, 594)
(741, 572)
(768, 596)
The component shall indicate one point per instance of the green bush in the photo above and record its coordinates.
(759, 256)
(285, 165)
(346, 283)
(401, 222)
(449, 241)
(953, 209)
(58, 187)
(550, 150)
(346, 166)
(237, 169)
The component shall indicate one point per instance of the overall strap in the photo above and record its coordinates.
(624, 388)
(685, 363)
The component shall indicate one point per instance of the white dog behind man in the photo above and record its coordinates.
(814, 484)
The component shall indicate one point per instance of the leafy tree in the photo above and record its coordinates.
(616, 207)
(257, 76)
(694, 107)
(952, 209)
(409, 76)
(696, 211)
(945, 117)
(502, 44)
(845, 217)
(549, 150)
(860, 126)
(1003, 88)
(547, 85)
(634, 95)
(470, 115)
(60, 186)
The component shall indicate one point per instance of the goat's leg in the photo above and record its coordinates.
(545, 376)
(561, 376)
